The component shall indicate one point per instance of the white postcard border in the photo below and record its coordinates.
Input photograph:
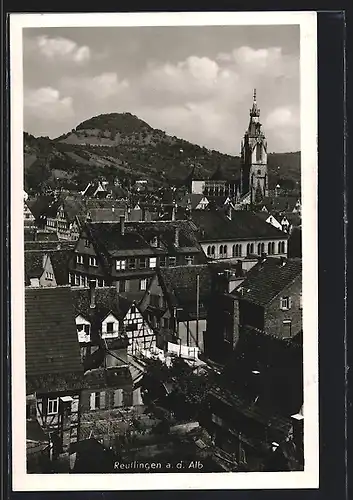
(309, 478)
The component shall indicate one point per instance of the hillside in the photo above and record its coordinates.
(120, 145)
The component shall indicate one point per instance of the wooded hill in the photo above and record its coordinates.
(120, 145)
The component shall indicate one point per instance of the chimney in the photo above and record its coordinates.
(283, 261)
(122, 225)
(239, 268)
(92, 293)
(176, 236)
(173, 211)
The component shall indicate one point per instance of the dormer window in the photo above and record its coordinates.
(285, 303)
(154, 241)
(79, 259)
(189, 260)
(93, 261)
(120, 265)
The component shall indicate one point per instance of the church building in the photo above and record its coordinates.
(254, 173)
(253, 186)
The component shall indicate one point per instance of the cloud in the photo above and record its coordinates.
(284, 127)
(202, 99)
(59, 48)
(101, 86)
(280, 117)
(252, 61)
(47, 104)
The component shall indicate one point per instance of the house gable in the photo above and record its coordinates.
(110, 326)
(83, 329)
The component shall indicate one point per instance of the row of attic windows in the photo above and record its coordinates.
(133, 263)
(237, 250)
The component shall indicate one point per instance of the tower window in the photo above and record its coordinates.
(258, 152)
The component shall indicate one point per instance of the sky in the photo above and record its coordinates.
(193, 82)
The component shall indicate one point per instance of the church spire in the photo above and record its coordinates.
(254, 112)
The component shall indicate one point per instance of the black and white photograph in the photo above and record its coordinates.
(164, 259)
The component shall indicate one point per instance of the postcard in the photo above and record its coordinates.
(164, 251)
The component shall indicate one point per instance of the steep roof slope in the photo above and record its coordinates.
(266, 279)
(52, 350)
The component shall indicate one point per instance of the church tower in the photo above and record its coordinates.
(254, 174)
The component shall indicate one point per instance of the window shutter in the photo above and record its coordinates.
(92, 401)
(289, 302)
(118, 398)
(102, 400)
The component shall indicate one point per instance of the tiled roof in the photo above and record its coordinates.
(52, 348)
(165, 230)
(34, 264)
(191, 200)
(117, 378)
(216, 226)
(107, 300)
(138, 235)
(106, 214)
(181, 284)
(266, 279)
(280, 203)
(277, 383)
(49, 245)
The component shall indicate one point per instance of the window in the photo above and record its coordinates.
(162, 261)
(121, 285)
(142, 263)
(93, 261)
(100, 282)
(79, 259)
(94, 400)
(120, 265)
(49, 276)
(83, 328)
(153, 262)
(237, 250)
(189, 260)
(258, 155)
(225, 251)
(260, 248)
(250, 248)
(281, 247)
(131, 327)
(271, 248)
(132, 264)
(87, 243)
(53, 406)
(172, 261)
(154, 241)
(209, 250)
(143, 284)
(287, 326)
(77, 280)
(285, 303)
(110, 327)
